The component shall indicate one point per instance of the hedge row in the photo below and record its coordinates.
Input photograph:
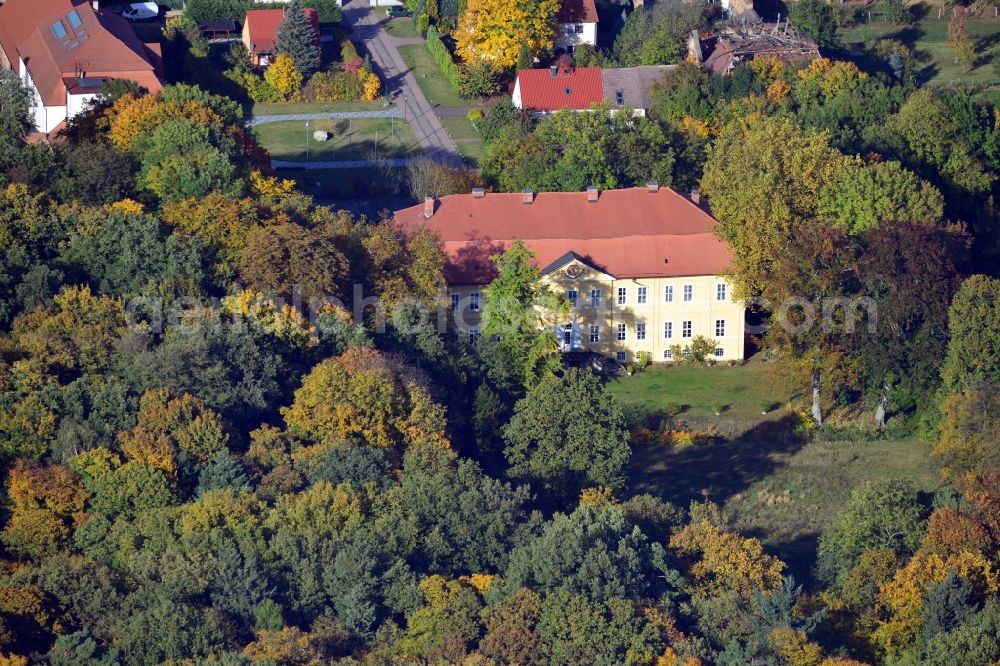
(442, 56)
(215, 10)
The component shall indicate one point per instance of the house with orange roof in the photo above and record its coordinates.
(642, 268)
(576, 25)
(66, 50)
(579, 88)
(260, 32)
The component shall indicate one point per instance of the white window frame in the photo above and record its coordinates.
(668, 294)
(720, 328)
(687, 328)
(474, 303)
(640, 296)
(721, 291)
(668, 354)
(456, 302)
(688, 293)
(473, 336)
(595, 333)
(622, 295)
(596, 296)
(621, 332)
(719, 352)
(621, 356)
(640, 330)
(573, 296)
(668, 330)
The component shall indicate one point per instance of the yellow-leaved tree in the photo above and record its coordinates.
(284, 77)
(495, 29)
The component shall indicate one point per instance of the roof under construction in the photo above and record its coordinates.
(747, 40)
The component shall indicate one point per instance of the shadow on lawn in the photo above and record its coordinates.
(715, 470)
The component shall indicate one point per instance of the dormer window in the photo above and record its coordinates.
(74, 19)
(620, 98)
(59, 30)
(568, 91)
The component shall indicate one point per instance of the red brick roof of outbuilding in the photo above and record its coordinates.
(577, 11)
(630, 233)
(574, 88)
(262, 27)
(103, 45)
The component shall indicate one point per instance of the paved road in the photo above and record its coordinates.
(418, 113)
(385, 113)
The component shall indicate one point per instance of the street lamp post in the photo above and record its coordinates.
(307, 140)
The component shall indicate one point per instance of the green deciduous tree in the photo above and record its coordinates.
(566, 433)
(17, 105)
(817, 20)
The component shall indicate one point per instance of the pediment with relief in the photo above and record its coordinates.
(572, 268)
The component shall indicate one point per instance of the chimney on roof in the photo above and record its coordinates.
(652, 186)
(478, 193)
(696, 196)
(554, 71)
(593, 194)
(527, 197)
(428, 207)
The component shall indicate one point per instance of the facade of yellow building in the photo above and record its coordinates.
(624, 297)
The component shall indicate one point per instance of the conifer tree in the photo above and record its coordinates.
(296, 38)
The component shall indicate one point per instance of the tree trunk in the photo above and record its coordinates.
(817, 414)
(883, 405)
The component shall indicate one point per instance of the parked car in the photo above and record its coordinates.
(141, 11)
(397, 12)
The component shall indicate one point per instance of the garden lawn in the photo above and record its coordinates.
(928, 38)
(432, 83)
(775, 481)
(402, 28)
(351, 140)
(698, 389)
(261, 109)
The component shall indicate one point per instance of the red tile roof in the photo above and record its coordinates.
(631, 233)
(103, 45)
(577, 88)
(577, 11)
(262, 27)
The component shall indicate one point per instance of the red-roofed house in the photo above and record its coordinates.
(577, 24)
(554, 89)
(260, 30)
(65, 50)
(642, 267)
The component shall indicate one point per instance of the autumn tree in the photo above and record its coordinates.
(882, 514)
(369, 397)
(720, 561)
(495, 30)
(283, 75)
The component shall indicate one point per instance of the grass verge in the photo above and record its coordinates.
(432, 84)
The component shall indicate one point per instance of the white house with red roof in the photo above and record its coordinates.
(577, 24)
(65, 50)
(580, 88)
(642, 267)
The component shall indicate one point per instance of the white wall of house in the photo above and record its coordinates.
(47, 118)
(515, 98)
(571, 35)
(76, 103)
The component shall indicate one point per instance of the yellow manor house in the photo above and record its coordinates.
(641, 267)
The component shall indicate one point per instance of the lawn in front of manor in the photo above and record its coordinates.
(773, 481)
(928, 39)
(353, 139)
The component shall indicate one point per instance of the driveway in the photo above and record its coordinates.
(418, 113)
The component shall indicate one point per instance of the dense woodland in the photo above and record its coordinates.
(207, 459)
